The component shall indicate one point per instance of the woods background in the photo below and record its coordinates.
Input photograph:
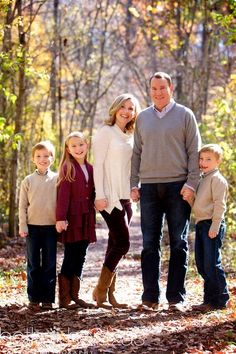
(62, 62)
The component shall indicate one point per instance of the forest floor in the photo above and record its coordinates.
(92, 331)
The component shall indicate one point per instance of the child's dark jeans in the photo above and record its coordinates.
(74, 258)
(208, 261)
(41, 245)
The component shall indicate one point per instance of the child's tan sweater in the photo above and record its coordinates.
(37, 204)
(210, 200)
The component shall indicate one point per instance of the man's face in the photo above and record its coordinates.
(160, 92)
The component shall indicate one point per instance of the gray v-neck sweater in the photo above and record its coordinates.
(166, 149)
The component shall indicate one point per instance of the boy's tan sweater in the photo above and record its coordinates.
(210, 200)
(37, 204)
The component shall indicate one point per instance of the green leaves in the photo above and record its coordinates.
(7, 134)
(219, 127)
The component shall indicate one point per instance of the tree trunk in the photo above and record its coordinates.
(18, 121)
(53, 77)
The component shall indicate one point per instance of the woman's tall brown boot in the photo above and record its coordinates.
(101, 290)
(64, 296)
(111, 296)
(74, 292)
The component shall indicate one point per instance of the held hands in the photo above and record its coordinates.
(61, 226)
(188, 194)
(212, 234)
(135, 194)
(23, 234)
(101, 204)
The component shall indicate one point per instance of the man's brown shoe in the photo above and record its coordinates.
(208, 307)
(202, 307)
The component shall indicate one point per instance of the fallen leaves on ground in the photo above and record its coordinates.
(92, 331)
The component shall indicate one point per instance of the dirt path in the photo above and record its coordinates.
(91, 331)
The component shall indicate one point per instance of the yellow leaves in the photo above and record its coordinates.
(134, 12)
(158, 8)
(151, 9)
(34, 345)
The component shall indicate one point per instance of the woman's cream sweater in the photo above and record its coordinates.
(112, 150)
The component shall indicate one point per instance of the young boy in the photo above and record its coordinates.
(37, 219)
(209, 208)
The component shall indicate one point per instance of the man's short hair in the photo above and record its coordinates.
(161, 75)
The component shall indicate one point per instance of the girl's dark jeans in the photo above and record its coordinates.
(74, 258)
(118, 237)
(208, 261)
(41, 244)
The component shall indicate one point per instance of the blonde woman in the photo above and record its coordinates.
(112, 150)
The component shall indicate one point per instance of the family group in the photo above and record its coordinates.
(153, 156)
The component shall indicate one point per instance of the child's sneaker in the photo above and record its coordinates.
(34, 306)
(47, 306)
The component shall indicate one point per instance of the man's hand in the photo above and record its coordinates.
(101, 204)
(188, 194)
(135, 194)
(212, 234)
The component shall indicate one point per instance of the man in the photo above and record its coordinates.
(165, 161)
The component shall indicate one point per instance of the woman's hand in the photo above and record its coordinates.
(135, 194)
(101, 204)
(61, 225)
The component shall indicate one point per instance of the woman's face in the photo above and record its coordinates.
(125, 114)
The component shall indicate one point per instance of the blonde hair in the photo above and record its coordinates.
(214, 148)
(45, 144)
(66, 166)
(116, 105)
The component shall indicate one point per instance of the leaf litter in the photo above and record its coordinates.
(92, 331)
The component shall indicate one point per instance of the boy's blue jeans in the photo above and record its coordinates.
(208, 261)
(41, 244)
(157, 201)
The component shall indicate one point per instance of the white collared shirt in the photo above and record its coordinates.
(165, 110)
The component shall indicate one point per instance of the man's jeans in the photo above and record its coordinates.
(159, 200)
(41, 244)
(208, 261)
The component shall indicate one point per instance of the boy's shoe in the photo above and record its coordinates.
(148, 305)
(34, 306)
(46, 306)
(177, 307)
